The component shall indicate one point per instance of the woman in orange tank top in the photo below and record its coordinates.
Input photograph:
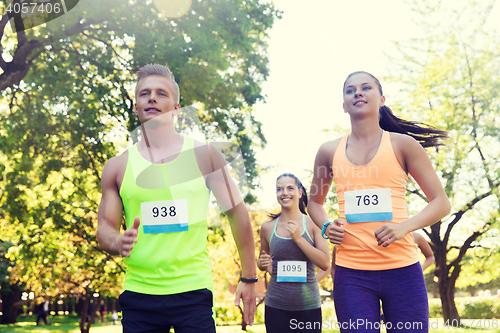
(377, 259)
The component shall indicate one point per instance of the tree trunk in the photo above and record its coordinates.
(11, 300)
(243, 323)
(84, 323)
(83, 311)
(80, 302)
(447, 295)
(446, 285)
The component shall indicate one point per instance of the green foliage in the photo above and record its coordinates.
(469, 307)
(225, 264)
(446, 81)
(481, 308)
(5, 264)
(51, 196)
(66, 104)
(477, 267)
(227, 314)
(85, 61)
(435, 308)
(328, 311)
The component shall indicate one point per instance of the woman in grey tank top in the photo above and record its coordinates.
(291, 248)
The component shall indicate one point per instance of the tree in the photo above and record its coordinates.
(217, 52)
(50, 198)
(449, 80)
(10, 292)
(67, 84)
(481, 271)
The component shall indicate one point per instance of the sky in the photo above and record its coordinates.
(311, 51)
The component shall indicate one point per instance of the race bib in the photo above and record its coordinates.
(292, 271)
(368, 205)
(159, 217)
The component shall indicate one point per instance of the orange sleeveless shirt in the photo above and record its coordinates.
(370, 196)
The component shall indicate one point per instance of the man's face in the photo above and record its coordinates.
(155, 97)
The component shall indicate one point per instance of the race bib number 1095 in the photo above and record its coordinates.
(292, 271)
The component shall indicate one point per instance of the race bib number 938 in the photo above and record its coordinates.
(164, 216)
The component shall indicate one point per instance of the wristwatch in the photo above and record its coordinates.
(324, 229)
(255, 279)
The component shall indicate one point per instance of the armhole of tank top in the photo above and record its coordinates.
(403, 176)
(304, 223)
(211, 158)
(342, 143)
(274, 230)
(192, 148)
(128, 169)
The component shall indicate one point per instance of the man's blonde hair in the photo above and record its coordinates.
(157, 69)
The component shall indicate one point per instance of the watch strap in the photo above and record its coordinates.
(255, 279)
(324, 229)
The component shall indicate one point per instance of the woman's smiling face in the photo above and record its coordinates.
(287, 192)
(362, 94)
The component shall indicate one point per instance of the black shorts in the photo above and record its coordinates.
(189, 312)
(283, 321)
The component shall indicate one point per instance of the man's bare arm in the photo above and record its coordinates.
(111, 211)
(229, 198)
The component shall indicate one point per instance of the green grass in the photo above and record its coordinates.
(69, 324)
(59, 324)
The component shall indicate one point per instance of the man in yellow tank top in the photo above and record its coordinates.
(168, 281)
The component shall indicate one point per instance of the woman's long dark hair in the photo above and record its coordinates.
(302, 200)
(426, 135)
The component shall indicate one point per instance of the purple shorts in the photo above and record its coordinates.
(357, 295)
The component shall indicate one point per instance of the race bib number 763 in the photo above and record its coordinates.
(370, 205)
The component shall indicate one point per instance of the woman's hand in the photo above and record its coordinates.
(390, 232)
(293, 229)
(265, 262)
(335, 232)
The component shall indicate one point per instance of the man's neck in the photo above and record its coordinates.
(160, 144)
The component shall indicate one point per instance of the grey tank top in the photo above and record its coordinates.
(292, 296)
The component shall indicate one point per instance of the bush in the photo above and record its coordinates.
(480, 308)
(328, 311)
(227, 314)
(469, 307)
(435, 310)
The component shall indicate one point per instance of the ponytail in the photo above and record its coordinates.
(426, 135)
(302, 201)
